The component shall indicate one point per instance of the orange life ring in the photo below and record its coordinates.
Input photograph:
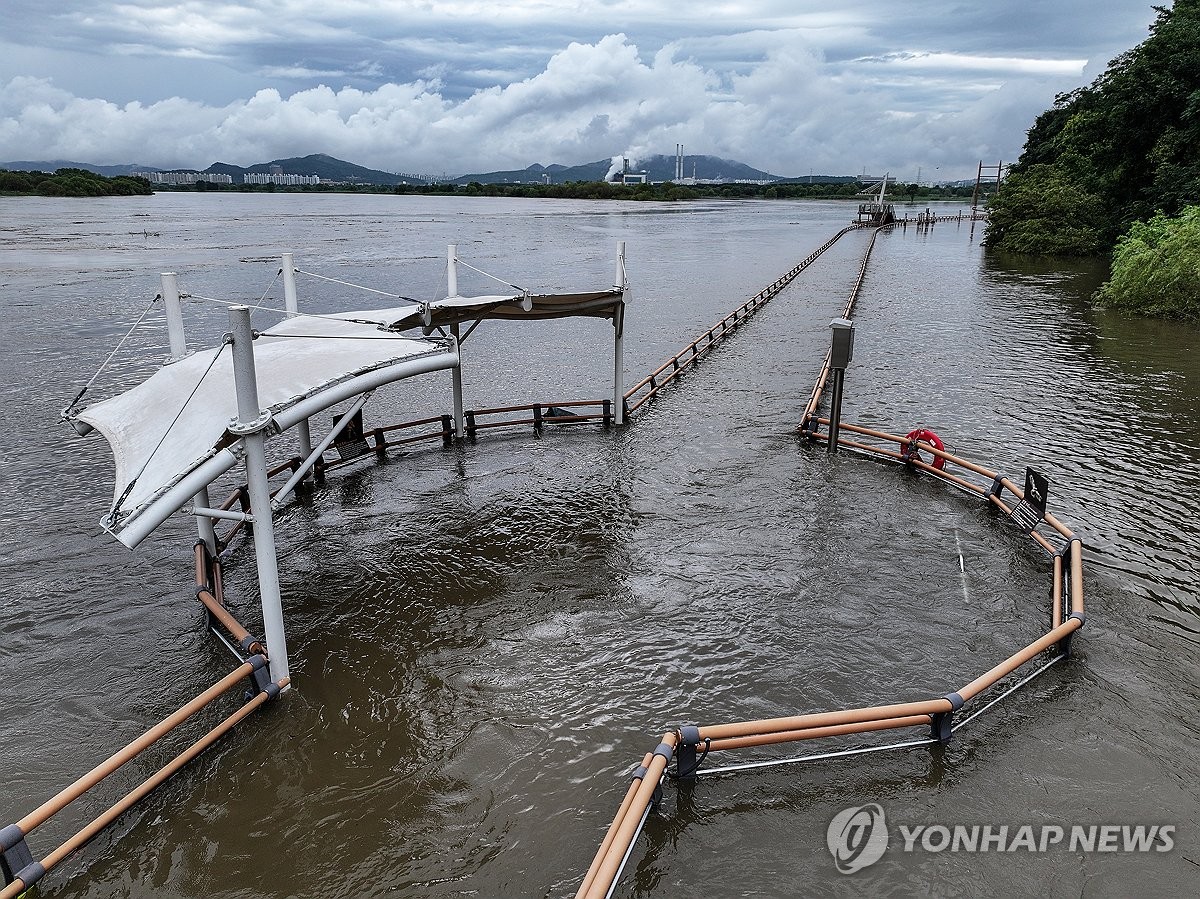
(929, 437)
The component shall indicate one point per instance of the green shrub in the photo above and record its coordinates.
(1156, 268)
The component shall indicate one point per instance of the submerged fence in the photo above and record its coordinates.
(649, 387)
(19, 868)
(689, 747)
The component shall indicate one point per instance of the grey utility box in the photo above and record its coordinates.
(843, 343)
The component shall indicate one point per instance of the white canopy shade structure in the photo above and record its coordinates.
(170, 434)
(197, 416)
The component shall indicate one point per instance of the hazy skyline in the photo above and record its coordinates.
(457, 87)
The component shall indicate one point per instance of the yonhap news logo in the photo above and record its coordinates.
(858, 837)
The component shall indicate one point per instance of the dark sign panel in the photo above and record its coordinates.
(1032, 509)
(352, 442)
(1036, 488)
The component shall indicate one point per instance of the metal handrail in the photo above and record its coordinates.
(722, 329)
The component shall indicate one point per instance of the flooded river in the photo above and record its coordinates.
(484, 640)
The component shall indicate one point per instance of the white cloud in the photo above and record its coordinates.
(966, 62)
(770, 99)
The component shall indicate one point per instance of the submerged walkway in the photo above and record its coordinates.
(682, 752)
(687, 748)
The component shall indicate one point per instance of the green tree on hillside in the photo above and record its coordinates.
(1044, 211)
(1127, 142)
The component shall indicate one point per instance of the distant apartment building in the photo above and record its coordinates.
(184, 177)
(279, 178)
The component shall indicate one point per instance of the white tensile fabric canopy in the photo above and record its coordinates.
(169, 434)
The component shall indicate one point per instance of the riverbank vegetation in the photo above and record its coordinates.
(1156, 267)
(71, 183)
(1115, 158)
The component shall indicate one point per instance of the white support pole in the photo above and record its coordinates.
(202, 512)
(303, 435)
(619, 340)
(456, 382)
(310, 460)
(619, 373)
(289, 285)
(456, 372)
(452, 270)
(170, 295)
(204, 525)
(250, 425)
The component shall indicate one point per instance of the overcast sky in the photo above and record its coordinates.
(461, 86)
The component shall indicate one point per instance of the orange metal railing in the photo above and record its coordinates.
(936, 713)
(13, 837)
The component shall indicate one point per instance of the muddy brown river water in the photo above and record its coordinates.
(485, 639)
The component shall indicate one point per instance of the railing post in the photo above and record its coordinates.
(16, 860)
(243, 496)
(456, 381)
(941, 724)
(1074, 545)
(839, 358)
(686, 762)
(456, 371)
(835, 410)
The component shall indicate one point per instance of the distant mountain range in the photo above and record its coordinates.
(327, 168)
(53, 165)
